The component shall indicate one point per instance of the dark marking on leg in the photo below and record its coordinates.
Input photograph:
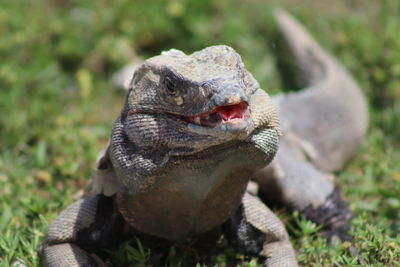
(242, 235)
(333, 215)
(107, 229)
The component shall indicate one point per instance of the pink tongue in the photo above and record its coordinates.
(231, 112)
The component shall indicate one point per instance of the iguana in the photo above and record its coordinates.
(194, 129)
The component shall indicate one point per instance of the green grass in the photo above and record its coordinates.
(57, 105)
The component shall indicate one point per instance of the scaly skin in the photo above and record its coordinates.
(193, 131)
(191, 134)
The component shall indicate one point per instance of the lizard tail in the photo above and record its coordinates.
(314, 63)
(330, 117)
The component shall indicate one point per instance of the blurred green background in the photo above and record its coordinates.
(57, 105)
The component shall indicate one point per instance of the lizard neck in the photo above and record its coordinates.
(194, 194)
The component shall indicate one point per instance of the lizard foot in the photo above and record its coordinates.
(333, 215)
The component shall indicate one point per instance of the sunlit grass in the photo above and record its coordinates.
(57, 106)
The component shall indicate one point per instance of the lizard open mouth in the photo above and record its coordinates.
(220, 115)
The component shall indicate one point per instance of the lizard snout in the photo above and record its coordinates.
(229, 94)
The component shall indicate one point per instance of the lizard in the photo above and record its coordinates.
(193, 130)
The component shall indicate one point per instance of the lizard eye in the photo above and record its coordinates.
(170, 85)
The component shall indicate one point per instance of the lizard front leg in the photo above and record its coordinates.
(255, 230)
(86, 225)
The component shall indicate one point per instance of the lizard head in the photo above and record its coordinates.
(208, 92)
(179, 106)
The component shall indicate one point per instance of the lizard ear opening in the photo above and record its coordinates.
(104, 180)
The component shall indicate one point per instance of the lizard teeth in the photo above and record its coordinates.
(196, 120)
(220, 115)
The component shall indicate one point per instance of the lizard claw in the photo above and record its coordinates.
(334, 216)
